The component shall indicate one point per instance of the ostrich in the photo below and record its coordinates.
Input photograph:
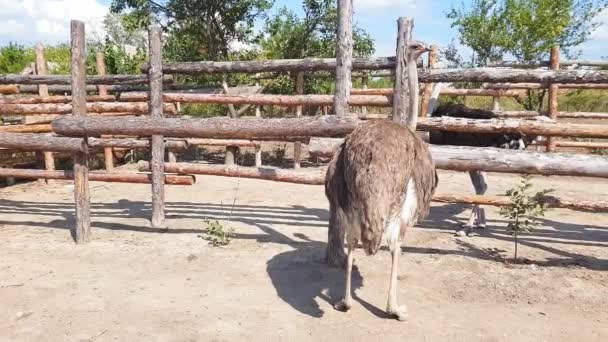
(511, 141)
(380, 182)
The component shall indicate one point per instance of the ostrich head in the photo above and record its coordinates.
(416, 49)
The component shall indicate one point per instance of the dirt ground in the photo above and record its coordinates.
(135, 283)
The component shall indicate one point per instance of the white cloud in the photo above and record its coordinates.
(602, 31)
(48, 21)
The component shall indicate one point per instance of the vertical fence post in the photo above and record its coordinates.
(401, 88)
(231, 151)
(297, 146)
(258, 114)
(428, 87)
(155, 75)
(364, 83)
(496, 103)
(335, 254)
(43, 90)
(553, 95)
(82, 230)
(103, 91)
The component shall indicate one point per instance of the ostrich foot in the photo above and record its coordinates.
(465, 230)
(343, 305)
(399, 313)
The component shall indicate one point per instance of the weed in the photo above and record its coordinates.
(217, 234)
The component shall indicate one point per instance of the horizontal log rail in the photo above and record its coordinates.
(458, 158)
(41, 128)
(501, 201)
(215, 128)
(516, 114)
(540, 64)
(577, 144)
(444, 91)
(259, 99)
(67, 80)
(92, 107)
(53, 99)
(41, 142)
(311, 177)
(512, 75)
(223, 142)
(95, 176)
(520, 86)
(277, 65)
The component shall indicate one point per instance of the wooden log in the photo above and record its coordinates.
(552, 202)
(297, 146)
(315, 177)
(43, 128)
(459, 158)
(231, 151)
(259, 99)
(96, 107)
(223, 142)
(128, 143)
(513, 75)
(41, 142)
(66, 80)
(543, 86)
(428, 87)
(529, 127)
(155, 74)
(53, 99)
(539, 64)
(43, 91)
(6, 89)
(444, 91)
(344, 55)
(577, 144)
(48, 118)
(82, 230)
(277, 65)
(215, 128)
(402, 85)
(101, 70)
(553, 96)
(95, 176)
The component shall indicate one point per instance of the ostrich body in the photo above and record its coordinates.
(379, 183)
(510, 141)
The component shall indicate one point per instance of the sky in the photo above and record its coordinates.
(47, 21)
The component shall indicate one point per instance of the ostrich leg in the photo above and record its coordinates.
(346, 303)
(393, 309)
(477, 218)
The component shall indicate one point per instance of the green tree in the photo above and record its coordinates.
(196, 29)
(14, 58)
(287, 35)
(523, 29)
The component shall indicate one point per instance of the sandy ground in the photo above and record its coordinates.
(135, 283)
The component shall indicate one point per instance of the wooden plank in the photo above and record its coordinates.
(82, 230)
(155, 75)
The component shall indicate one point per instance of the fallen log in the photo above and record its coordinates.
(444, 91)
(67, 80)
(94, 107)
(53, 99)
(459, 158)
(258, 99)
(277, 65)
(41, 142)
(95, 176)
(501, 201)
(315, 177)
(215, 128)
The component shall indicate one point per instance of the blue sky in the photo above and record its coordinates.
(47, 21)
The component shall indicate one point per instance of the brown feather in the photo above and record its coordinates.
(368, 175)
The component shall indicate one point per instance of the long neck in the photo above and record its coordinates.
(412, 79)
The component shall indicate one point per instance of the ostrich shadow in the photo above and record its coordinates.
(302, 280)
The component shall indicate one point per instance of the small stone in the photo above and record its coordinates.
(19, 314)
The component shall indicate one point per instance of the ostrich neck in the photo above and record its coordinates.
(412, 78)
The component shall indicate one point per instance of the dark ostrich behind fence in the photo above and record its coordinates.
(501, 140)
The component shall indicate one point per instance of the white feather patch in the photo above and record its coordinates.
(407, 215)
